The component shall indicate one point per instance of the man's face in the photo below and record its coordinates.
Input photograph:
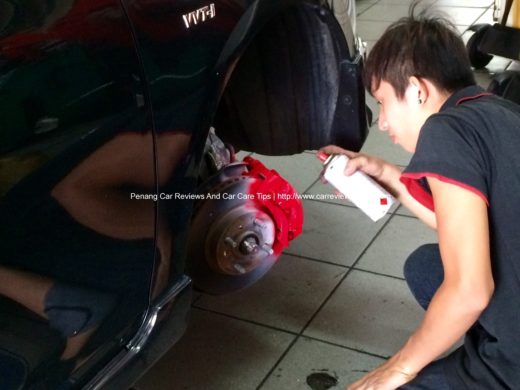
(401, 118)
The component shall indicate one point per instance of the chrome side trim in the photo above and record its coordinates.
(134, 346)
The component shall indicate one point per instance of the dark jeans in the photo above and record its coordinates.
(424, 273)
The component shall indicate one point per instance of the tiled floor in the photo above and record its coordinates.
(336, 301)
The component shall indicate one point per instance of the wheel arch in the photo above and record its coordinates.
(330, 107)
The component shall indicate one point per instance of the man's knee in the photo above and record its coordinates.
(424, 273)
(421, 261)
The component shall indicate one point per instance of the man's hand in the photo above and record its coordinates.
(387, 175)
(388, 376)
(372, 166)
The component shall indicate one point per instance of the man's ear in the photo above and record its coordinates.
(420, 90)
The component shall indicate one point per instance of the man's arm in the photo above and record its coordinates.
(388, 176)
(462, 225)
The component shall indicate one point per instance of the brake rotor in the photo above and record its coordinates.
(247, 216)
(240, 240)
(229, 237)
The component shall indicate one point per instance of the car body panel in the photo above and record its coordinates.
(75, 139)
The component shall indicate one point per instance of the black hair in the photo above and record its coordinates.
(423, 46)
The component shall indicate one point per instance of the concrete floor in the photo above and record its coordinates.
(336, 302)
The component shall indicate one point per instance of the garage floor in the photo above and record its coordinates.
(336, 302)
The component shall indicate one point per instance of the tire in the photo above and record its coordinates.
(477, 58)
(294, 88)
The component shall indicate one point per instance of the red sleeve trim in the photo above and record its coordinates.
(464, 99)
(416, 190)
(410, 180)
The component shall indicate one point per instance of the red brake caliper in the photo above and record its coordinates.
(276, 197)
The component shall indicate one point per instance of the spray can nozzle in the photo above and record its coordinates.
(323, 157)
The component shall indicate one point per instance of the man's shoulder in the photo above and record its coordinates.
(483, 115)
(490, 107)
(444, 125)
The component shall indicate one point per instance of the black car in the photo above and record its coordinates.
(119, 182)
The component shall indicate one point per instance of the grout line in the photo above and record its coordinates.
(482, 14)
(293, 333)
(303, 257)
(352, 267)
(297, 334)
(347, 267)
(365, 10)
(262, 382)
(325, 301)
(310, 186)
(378, 273)
(404, 215)
(345, 347)
(232, 317)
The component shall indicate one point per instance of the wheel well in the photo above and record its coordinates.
(288, 86)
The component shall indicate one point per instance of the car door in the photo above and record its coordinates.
(77, 190)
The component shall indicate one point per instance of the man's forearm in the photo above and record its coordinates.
(450, 314)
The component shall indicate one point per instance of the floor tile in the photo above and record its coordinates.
(336, 234)
(401, 210)
(370, 30)
(358, 2)
(400, 237)
(371, 313)
(325, 189)
(462, 29)
(362, 6)
(514, 66)
(308, 357)
(462, 15)
(285, 298)
(395, 2)
(384, 12)
(371, 41)
(379, 144)
(483, 78)
(486, 17)
(217, 353)
(301, 170)
(465, 3)
(392, 12)
(497, 65)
